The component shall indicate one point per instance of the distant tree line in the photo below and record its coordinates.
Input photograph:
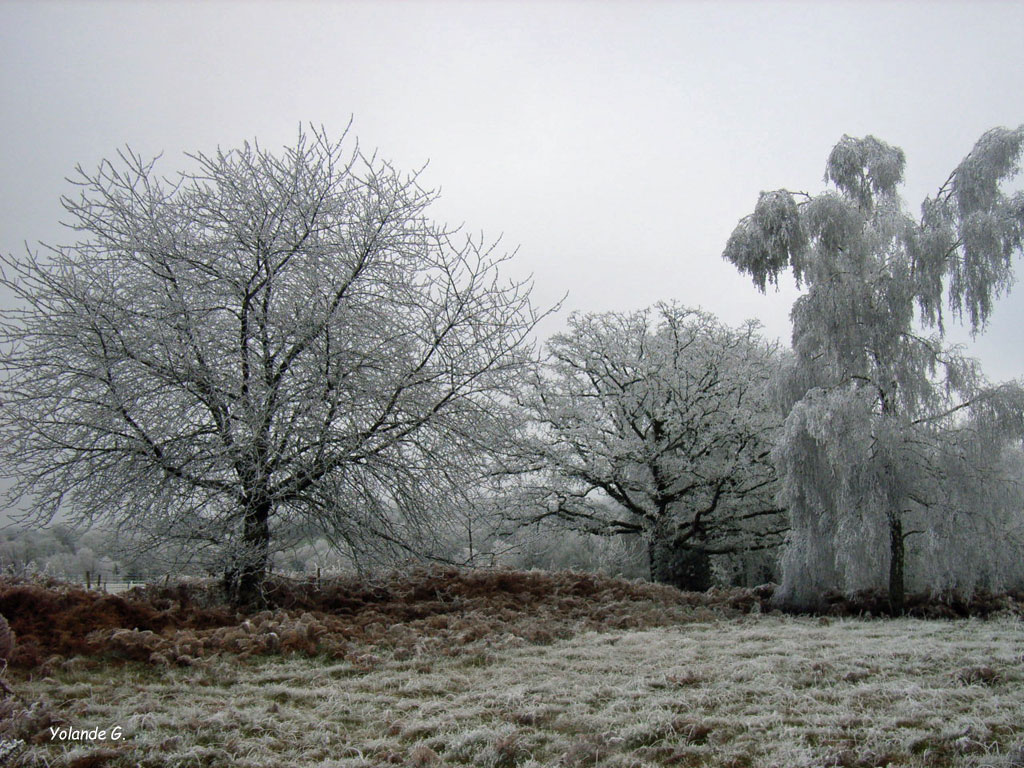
(64, 553)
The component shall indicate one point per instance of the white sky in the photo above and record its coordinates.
(616, 143)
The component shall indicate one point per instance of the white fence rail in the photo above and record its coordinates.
(113, 586)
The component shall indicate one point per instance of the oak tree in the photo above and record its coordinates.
(656, 423)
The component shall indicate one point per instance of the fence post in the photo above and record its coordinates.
(88, 580)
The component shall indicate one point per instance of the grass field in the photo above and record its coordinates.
(752, 690)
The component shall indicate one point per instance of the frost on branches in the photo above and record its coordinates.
(268, 345)
(899, 464)
(656, 423)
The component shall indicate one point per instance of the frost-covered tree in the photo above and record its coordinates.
(267, 344)
(656, 423)
(889, 434)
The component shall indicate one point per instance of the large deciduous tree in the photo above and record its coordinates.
(268, 342)
(656, 423)
(889, 434)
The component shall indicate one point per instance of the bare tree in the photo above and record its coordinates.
(269, 343)
(889, 433)
(656, 423)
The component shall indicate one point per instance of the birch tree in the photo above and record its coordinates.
(656, 423)
(266, 343)
(887, 428)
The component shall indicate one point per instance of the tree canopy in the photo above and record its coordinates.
(266, 343)
(889, 433)
(656, 423)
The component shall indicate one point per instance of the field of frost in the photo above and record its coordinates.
(750, 690)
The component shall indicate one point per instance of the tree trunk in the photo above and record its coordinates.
(897, 557)
(681, 566)
(245, 579)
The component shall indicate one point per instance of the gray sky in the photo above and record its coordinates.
(617, 144)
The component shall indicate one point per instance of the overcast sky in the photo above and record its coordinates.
(616, 143)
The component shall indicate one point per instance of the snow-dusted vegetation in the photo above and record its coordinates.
(504, 668)
(278, 349)
(280, 359)
(749, 691)
(657, 424)
(898, 461)
(265, 346)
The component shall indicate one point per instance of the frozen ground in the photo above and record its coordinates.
(754, 690)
